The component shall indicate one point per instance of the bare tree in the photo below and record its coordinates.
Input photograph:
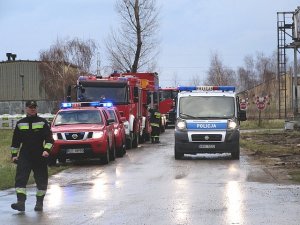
(246, 74)
(134, 46)
(265, 67)
(218, 74)
(196, 80)
(62, 63)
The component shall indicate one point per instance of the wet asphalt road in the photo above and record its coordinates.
(147, 186)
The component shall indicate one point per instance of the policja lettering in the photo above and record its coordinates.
(207, 125)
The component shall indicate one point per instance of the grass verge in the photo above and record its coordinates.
(7, 168)
(275, 144)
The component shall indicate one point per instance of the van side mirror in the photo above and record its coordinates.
(242, 115)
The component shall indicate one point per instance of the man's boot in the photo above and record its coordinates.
(39, 203)
(20, 204)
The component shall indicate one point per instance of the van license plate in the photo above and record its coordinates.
(207, 146)
(75, 151)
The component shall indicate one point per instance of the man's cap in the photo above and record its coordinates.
(31, 103)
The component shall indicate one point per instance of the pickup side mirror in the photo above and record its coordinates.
(110, 121)
(242, 115)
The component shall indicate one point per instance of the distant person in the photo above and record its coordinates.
(155, 125)
(34, 136)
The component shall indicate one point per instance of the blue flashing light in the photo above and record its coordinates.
(226, 88)
(186, 88)
(107, 104)
(66, 105)
(94, 104)
(123, 78)
(81, 78)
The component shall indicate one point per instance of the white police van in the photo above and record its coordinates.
(208, 119)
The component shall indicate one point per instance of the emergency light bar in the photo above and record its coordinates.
(206, 88)
(68, 105)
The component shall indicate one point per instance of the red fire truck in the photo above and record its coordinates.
(131, 93)
(150, 95)
(167, 99)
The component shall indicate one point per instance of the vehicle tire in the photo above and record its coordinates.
(142, 138)
(178, 155)
(106, 157)
(112, 152)
(162, 129)
(62, 159)
(121, 151)
(236, 153)
(135, 141)
(128, 144)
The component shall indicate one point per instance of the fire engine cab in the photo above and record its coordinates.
(208, 119)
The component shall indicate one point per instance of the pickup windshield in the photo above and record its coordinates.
(206, 107)
(78, 117)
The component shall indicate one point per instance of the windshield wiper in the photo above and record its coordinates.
(187, 115)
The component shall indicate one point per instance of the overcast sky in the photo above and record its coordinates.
(190, 30)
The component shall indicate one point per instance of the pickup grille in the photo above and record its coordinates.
(74, 136)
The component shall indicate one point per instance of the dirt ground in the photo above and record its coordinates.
(278, 152)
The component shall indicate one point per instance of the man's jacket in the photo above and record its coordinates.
(34, 136)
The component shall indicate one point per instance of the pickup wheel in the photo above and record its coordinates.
(106, 158)
(112, 151)
(62, 159)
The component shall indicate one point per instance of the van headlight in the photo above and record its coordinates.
(231, 124)
(181, 125)
(98, 134)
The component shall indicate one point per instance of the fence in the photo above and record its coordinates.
(9, 121)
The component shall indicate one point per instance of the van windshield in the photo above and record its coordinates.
(192, 107)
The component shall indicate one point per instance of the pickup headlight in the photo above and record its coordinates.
(231, 124)
(54, 135)
(98, 134)
(181, 125)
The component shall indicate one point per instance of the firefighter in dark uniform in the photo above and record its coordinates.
(155, 125)
(34, 136)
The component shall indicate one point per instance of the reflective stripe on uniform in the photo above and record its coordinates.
(40, 192)
(14, 150)
(23, 126)
(21, 191)
(48, 146)
(154, 124)
(38, 125)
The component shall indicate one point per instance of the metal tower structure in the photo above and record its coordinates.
(284, 33)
